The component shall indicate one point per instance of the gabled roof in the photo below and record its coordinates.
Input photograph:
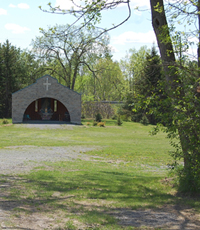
(48, 77)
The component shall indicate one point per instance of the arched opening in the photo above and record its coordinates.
(46, 109)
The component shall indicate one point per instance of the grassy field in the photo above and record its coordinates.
(131, 174)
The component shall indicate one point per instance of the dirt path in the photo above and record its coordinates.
(24, 158)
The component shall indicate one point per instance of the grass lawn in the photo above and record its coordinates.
(130, 175)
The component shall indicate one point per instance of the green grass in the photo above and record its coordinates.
(130, 175)
(128, 142)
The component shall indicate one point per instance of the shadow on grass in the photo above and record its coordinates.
(103, 198)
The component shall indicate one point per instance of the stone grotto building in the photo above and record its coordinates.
(46, 101)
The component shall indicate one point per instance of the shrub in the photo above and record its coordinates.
(5, 121)
(98, 117)
(88, 123)
(114, 117)
(119, 121)
(101, 124)
(144, 120)
(95, 123)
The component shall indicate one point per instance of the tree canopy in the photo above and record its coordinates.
(68, 50)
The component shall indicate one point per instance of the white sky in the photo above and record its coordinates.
(20, 22)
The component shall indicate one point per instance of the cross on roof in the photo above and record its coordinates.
(47, 84)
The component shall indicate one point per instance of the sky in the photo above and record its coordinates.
(20, 21)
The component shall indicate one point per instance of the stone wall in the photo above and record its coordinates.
(23, 98)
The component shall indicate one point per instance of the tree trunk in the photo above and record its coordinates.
(198, 51)
(161, 30)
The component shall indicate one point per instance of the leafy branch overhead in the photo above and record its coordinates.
(89, 13)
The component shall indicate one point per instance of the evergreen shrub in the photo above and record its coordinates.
(5, 121)
(95, 123)
(98, 117)
(119, 121)
(144, 120)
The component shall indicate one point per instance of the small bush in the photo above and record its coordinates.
(88, 123)
(95, 123)
(114, 117)
(144, 120)
(98, 117)
(101, 124)
(5, 121)
(119, 121)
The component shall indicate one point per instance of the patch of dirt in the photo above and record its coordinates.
(38, 218)
(168, 217)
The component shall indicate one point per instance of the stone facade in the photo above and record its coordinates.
(46, 87)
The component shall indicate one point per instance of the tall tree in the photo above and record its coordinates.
(18, 69)
(68, 50)
(106, 84)
(148, 86)
(10, 73)
(183, 100)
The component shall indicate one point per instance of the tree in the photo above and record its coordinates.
(67, 51)
(183, 100)
(146, 77)
(110, 84)
(133, 66)
(148, 87)
(11, 71)
(18, 69)
(106, 84)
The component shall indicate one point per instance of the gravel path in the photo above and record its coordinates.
(23, 158)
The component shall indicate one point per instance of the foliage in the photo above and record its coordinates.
(126, 109)
(95, 123)
(15, 73)
(98, 117)
(132, 67)
(145, 86)
(144, 120)
(68, 50)
(119, 121)
(181, 126)
(5, 121)
(106, 83)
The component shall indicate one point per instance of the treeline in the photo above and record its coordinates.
(78, 64)
(18, 68)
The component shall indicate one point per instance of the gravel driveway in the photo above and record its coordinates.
(23, 158)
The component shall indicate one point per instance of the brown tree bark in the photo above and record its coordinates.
(161, 30)
(198, 51)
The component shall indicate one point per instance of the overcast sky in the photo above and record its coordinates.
(20, 22)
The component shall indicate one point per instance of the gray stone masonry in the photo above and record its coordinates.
(49, 87)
